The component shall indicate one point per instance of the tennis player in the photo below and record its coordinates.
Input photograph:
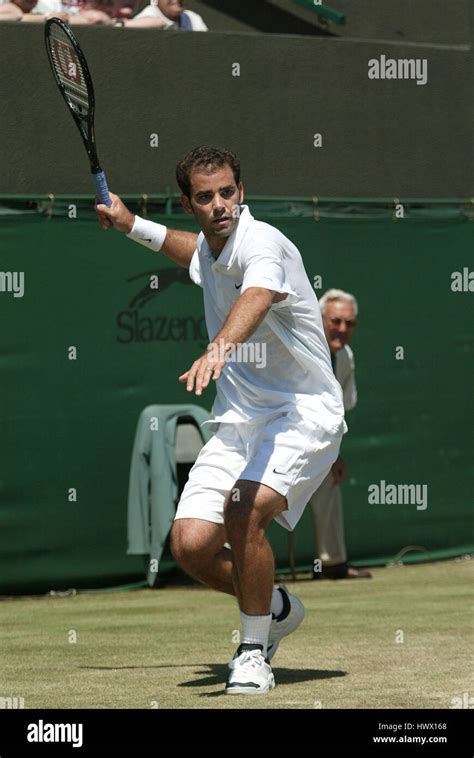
(280, 420)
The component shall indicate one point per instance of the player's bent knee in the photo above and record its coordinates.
(179, 544)
(181, 547)
(191, 546)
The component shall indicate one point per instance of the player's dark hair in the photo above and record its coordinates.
(209, 159)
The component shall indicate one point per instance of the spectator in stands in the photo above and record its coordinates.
(21, 10)
(93, 12)
(339, 312)
(173, 14)
(13, 11)
(116, 12)
(73, 13)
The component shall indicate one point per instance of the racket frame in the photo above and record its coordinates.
(85, 123)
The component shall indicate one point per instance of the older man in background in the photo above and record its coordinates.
(339, 311)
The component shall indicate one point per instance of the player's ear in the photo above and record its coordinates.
(186, 204)
(241, 193)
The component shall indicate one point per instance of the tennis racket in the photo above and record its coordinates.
(72, 76)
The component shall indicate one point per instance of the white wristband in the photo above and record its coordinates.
(148, 233)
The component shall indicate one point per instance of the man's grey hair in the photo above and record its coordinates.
(335, 294)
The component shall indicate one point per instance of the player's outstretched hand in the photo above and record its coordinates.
(117, 215)
(208, 366)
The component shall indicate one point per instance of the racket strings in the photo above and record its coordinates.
(68, 70)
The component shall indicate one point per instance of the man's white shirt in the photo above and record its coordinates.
(298, 372)
(345, 375)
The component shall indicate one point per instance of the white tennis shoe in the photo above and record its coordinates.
(250, 673)
(286, 623)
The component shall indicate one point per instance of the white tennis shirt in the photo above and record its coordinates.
(297, 371)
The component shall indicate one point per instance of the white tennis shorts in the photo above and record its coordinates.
(289, 453)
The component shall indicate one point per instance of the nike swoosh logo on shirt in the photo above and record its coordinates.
(238, 286)
(279, 472)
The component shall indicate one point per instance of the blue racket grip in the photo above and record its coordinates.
(101, 188)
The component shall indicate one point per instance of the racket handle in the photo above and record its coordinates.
(101, 188)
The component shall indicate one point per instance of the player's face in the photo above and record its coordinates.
(339, 322)
(215, 202)
(172, 8)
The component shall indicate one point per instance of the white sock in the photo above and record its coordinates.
(255, 630)
(277, 602)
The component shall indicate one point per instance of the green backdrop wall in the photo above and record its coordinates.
(379, 137)
(418, 21)
(70, 423)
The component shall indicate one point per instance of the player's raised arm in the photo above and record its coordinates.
(175, 244)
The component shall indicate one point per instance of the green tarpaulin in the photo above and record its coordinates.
(85, 348)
